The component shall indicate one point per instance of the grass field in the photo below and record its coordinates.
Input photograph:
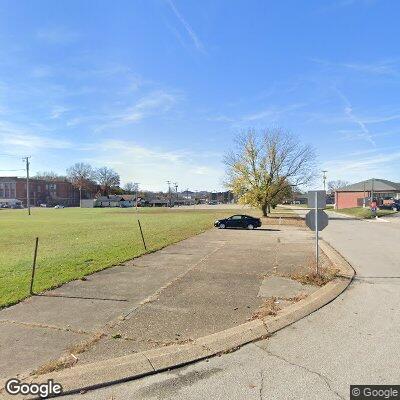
(365, 213)
(76, 242)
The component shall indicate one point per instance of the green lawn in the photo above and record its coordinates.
(75, 242)
(365, 213)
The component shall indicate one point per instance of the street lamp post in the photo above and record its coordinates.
(169, 193)
(176, 191)
(324, 178)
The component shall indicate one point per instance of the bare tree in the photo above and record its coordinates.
(335, 185)
(266, 166)
(107, 179)
(81, 176)
(130, 187)
(48, 176)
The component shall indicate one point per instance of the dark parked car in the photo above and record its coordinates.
(394, 206)
(238, 221)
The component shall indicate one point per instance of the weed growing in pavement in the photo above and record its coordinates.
(269, 307)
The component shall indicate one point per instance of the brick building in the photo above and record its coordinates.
(359, 194)
(41, 191)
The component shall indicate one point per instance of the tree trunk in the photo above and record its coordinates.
(264, 209)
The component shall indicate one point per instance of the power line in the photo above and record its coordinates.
(11, 170)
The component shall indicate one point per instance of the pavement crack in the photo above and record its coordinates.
(45, 326)
(148, 359)
(261, 385)
(321, 376)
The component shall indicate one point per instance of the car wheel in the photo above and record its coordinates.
(250, 226)
(221, 226)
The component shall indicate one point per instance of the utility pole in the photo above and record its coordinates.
(137, 192)
(364, 200)
(28, 200)
(372, 190)
(176, 190)
(169, 192)
(324, 178)
(373, 205)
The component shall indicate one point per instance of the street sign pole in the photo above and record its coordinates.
(316, 219)
(316, 233)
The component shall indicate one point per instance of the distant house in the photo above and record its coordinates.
(158, 202)
(128, 200)
(360, 194)
(115, 201)
(88, 203)
(296, 198)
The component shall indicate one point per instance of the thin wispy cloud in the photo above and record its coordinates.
(387, 67)
(138, 152)
(378, 69)
(57, 112)
(192, 34)
(155, 165)
(12, 136)
(272, 113)
(349, 112)
(155, 102)
(346, 3)
(42, 71)
(220, 118)
(57, 35)
(358, 167)
(339, 4)
(380, 119)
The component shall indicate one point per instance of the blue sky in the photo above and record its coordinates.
(158, 89)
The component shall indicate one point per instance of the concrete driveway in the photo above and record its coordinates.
(353, 340)
(202, 285)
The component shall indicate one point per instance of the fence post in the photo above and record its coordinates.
(141, 232)
(34, 265)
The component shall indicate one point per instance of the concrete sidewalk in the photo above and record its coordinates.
(199, 286)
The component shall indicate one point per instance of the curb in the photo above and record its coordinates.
(121, 369)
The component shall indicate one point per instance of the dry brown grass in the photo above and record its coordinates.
(283, 220)
(324, 276)
(306, 274)
(85, 345)
(269, 307)
(55, 365)
(69, 359)
(295, 299)
(327, 272)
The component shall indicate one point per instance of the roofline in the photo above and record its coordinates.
(368, 186)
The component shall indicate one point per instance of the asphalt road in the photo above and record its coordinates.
(353, 340)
